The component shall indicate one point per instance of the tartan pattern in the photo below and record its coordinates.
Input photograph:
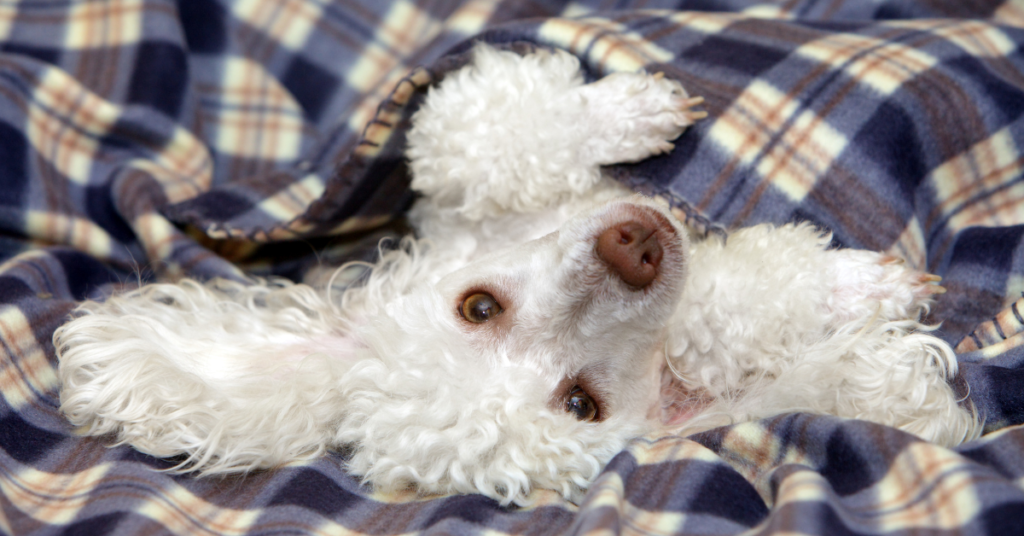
(145, 138)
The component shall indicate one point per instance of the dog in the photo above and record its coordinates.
(543, 316)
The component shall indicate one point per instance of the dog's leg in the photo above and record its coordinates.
(868, 283)
(901, 373)
(631, 116)
(773, 321)
(521, 134)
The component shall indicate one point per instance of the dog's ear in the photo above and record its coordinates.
(232, 376)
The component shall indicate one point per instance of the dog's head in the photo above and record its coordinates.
(528, 367)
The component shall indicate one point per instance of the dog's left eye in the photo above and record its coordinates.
(480, 307)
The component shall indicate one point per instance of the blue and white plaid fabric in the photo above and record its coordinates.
(151, 138)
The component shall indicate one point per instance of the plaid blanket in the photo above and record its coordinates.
(150, 138)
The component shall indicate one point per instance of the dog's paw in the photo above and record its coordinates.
(924, 286)
(637, 115)
(869, 284)
(664, 112)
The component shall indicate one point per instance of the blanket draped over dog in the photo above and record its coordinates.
(147, 138)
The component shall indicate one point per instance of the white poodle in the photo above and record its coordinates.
(544, 316)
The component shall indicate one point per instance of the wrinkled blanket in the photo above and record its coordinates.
(142, 139)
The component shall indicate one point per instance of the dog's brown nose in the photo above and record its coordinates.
(632, 250)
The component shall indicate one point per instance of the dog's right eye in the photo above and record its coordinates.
(581, 405)
(480, 307)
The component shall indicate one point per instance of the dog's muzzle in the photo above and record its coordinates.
(633, 248)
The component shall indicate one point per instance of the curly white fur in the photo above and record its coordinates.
(507, 153)
(517, 134)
